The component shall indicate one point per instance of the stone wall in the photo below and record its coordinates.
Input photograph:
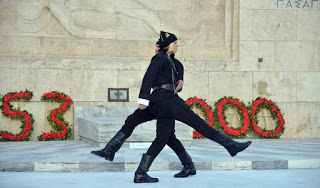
(82, 48)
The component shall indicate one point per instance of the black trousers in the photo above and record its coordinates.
(174, 108)
(141, 116)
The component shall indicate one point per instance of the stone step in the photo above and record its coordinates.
(99, 130)
(75, 156)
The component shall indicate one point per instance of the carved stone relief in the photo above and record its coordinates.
(207, 29)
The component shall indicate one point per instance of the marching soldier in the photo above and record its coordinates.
(141, 116)
(167, 106)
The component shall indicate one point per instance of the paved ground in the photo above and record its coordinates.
(203, 179)
(75, 156)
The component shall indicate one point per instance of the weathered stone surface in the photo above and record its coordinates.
(232, 165)
(308, 28)
(131, 80)
(257, 4)
(88, 63)
(276, 86)
(246, 25)
(92, 85)
(311, 163)
(308, 87)
(101, 167)
(237, 84)
(263, 30)
(194, 65)
(196, 83)
(100, 28)
(20, 45)
(304, 117)
(256, 165)
(23, 62)
(217, 66)
(56, 166)
(285, 25)
(9, 166)
(41, 81)
(161, 5)
(203, 165)
(251, 51)
(9, 80)
(296, 56)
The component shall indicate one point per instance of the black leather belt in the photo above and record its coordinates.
(165, 86)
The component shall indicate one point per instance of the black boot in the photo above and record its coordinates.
(141, 176)
(231, 145)
(112, 147)
(188, 166)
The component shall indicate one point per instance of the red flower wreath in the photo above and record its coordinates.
(56, 117)
(205, 108)
(27, 119)
(246, 118)
(280, 123)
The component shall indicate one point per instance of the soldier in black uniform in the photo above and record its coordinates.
(168, 106)
(141, 116)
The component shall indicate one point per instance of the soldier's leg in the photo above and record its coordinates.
(135, 119)
(177, 147)
(183, 113)
(132, 121)
(164, 127)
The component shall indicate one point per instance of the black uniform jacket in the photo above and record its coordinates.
(160, 72)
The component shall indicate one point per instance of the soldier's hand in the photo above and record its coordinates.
(142, 107)
(180, 85)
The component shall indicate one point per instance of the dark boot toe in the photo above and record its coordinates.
(186, 171)
(107, 155)
(238, 147)
(96, 152)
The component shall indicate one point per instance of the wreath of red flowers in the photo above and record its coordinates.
(225, 103)
(55, 117)
(205, 108)
(275, 111)
(27, 120)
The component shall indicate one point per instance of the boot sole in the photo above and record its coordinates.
(109, 159)
(106, 157)
(145, 182)
(141, 181)
(191, 174)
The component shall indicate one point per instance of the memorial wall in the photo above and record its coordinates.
(239, 48)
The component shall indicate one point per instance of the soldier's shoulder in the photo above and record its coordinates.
(176, 60)
(159, 56)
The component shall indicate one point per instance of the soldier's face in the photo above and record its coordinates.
(157, 49)
(175, 47)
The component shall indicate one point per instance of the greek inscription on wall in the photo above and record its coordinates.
(298, 4)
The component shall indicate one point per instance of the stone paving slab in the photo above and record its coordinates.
(75, 156)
